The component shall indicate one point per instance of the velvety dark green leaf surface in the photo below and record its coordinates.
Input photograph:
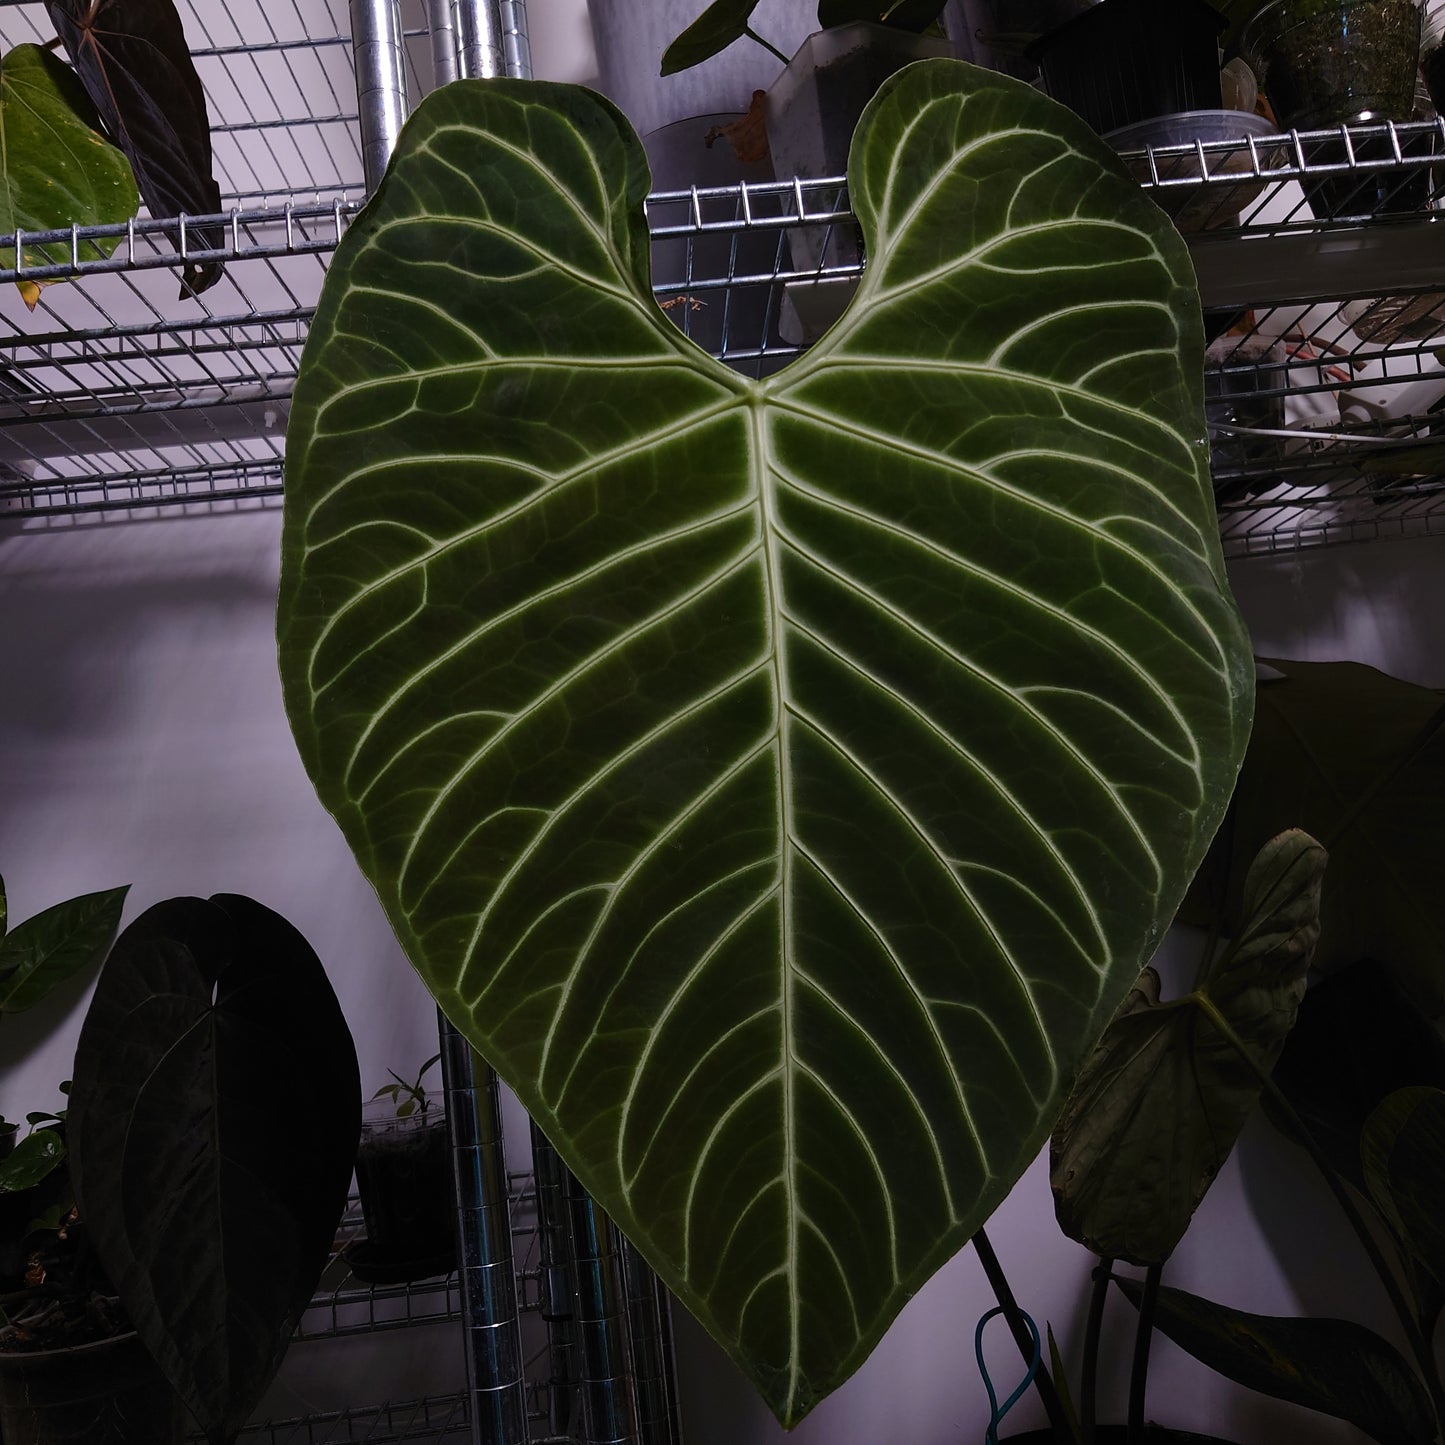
(781, 782)
(56, 168)
(1334, 1366)
(1161, 1100)
(213, 1125)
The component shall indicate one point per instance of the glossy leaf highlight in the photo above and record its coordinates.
(39, 954)
(779, 782)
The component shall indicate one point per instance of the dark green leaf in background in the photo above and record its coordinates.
(780, 782)
(39, 954)
(58, 170)
(1357, 1039)
(1334, 1366)
(135, 62)
(31, 1160)
(1356, 758)
(723, 22)
(213, 1126)
(1403, 1151)
(1161, 1100)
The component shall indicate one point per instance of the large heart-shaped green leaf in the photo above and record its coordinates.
(780, 782)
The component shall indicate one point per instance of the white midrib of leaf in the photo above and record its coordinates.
(767, 478)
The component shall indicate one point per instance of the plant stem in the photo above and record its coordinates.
(1093, 1328)
(767, 45)
(1143, 1337)
(1043, 1381)
(1420, 1347)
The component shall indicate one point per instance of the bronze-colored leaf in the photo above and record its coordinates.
(1159, 1104)
(134, 62)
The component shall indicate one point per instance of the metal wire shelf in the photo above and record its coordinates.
(116, 395)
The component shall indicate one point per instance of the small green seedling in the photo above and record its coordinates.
(409, 1098)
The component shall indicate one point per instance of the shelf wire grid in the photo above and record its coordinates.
(116, 394)
(344, 1306)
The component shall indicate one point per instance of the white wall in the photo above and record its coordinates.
(142, 740)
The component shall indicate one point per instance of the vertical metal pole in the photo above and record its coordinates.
(649, 1329)
(554, 1257)
(598, 1289)
(516, 47)
(377, 48)
(479, 37)
(441, 19)
(496, 1375)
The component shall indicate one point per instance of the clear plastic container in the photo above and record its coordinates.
(1207, 207)
(1329, 62)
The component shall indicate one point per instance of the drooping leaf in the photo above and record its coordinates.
(39, 954)
(4, 909)
(1334, 1366)
(1403, 1151)
(1357, 758)
(58, 170)
(1357, 1039)
(213, 1127)
(1161, 1100)
(779, 782)
(134, 61)
(31, 1160)
(723, 22)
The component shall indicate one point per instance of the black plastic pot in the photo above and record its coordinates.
(107, 1393)
(408, 1200)
(1123, 61)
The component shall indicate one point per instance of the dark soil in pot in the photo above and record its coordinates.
(106, 1393)
(404, 1175)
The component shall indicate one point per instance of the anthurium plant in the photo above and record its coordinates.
(727, 21)
(83, 144)
(1353, 1070)
(780, 782)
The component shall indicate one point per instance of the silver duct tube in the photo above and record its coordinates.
(379, 55)
(496, 1374)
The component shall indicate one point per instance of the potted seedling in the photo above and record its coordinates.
(404, 1178)
(71, 1364)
